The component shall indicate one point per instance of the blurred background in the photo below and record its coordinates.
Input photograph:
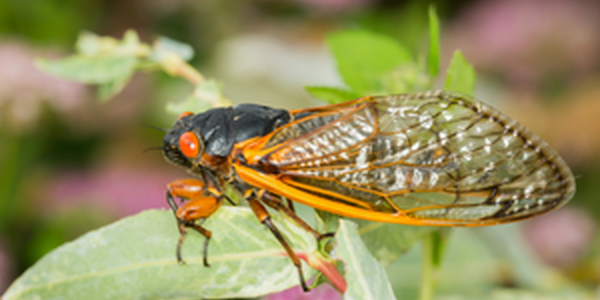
(69, 164)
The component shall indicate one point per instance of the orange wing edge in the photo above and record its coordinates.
(272, 184)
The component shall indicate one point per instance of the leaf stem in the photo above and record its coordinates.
(176, 66)
(190, 74)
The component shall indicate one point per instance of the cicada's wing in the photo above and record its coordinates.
(434, 158)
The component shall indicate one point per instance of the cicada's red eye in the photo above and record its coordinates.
(189, 144)
(185, 114)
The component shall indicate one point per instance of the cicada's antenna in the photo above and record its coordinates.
(155, 127)
(155, 148)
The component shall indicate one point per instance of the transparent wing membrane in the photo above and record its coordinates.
(436, 156)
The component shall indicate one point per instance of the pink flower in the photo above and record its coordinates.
(335, 5)
(322, 292)
(562, 237)
(23, 88)
(121, 190)
(526, 39)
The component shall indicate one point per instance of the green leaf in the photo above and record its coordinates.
(326, 221)
(130, 45)
(92, 45)
(101, 60)
(460, 76)
(331, 95)
(408, 78)
(387, 242)
(433, 56)
(205, 96)
(108, 90)
(367, 280)
(363, 58)
(134, 258)
(88, 44)
(92, 70)
(163, 47)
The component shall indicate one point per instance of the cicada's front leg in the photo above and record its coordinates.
(201, 203)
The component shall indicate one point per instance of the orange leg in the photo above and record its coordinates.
(199, 208)
(183, 231)
(276, 203)
(263, 216)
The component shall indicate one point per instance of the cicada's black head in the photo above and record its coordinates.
(198, 140)
(182, 144)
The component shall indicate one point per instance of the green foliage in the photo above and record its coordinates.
(514, 294)
(104, 61)
(439, 242)
(461, 75)
(93, 70)
(330, 94)
(433, 56)
(475, 260)
(242, 250)
(364, 58)
(110, 63)
(135, 258)
(165, 47)
(387, 242)
(203, 97)
(367, 279)
(373, 64)
(48, 21)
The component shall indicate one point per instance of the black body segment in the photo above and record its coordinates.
(220, 128)
(251, 120)
(216, 129)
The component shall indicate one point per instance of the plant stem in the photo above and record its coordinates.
(427, 278)
(190, 74)
(176, 66)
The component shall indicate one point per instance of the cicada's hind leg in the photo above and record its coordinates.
(197, 209)
(276, 203)
(265, 218)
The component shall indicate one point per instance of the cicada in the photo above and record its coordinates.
(435, 158)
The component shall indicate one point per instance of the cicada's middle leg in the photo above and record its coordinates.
(276, 203)
(193, 213)
(263, 216)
